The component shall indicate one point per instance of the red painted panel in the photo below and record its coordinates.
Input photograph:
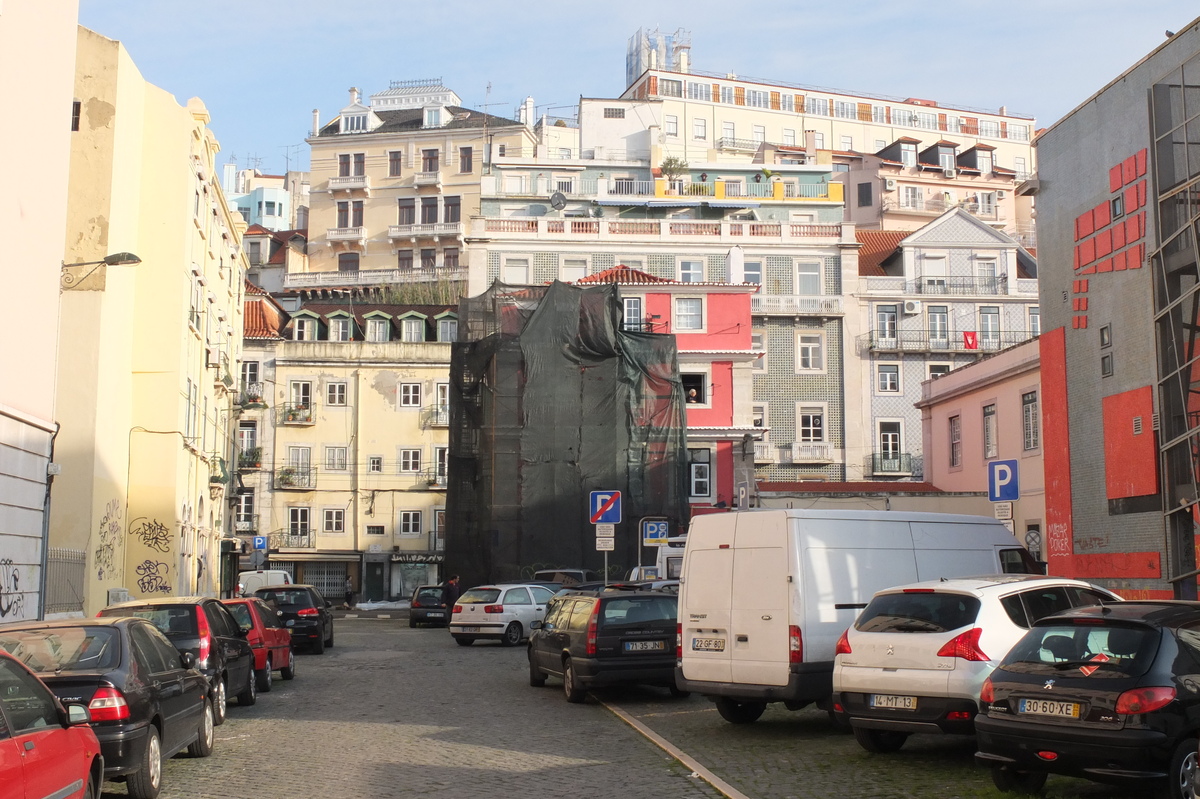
(1082, 322)
(1131, 229)
(1083, 287)
(1103, 243)
(1142, 593)
(1132, 565)
(1075, 322)
(1129, 170)
(1056, 449)
(657, 305)
(1101, 215)
(1140, 158)
(1118, 236)
(1130, 199)
(1084, 225)
(1141, 191)
(1105, 266)
(1130, 461)
(1091, 270)
(1114, 178)
(1135, 255)
(1087, 251)
(724, 464)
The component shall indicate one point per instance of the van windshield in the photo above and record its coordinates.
(930, 612)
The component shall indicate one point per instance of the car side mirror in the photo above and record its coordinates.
(536, 625)
(328, 604)
(243, 632)
(78, 714)
(188, 660)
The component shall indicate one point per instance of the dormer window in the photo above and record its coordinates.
(433, 117)
(983, 159)
(354, 123)
(946, 158)
(908, 154)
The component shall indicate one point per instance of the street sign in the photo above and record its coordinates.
(654, 532)
(606, 530)
(606, 545)
(1003, 482)
(604, 507)
(743, 496)
(260, 542)
(1009, 524)
(1003, 510)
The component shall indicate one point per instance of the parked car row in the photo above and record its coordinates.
(111, 698)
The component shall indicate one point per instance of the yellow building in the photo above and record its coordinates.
(147, 350)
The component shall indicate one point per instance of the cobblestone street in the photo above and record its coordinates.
(397, 712)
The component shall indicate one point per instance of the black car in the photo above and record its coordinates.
(1105, 693)
(203, 627)
(146, 700)
(606, 637)
(303, 611)
(429, 606)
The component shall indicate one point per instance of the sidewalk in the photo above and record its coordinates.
(373, 610)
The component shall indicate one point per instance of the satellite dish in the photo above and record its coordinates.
(558, 201)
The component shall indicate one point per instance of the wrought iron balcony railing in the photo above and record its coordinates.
(891, 463)
(295, 478)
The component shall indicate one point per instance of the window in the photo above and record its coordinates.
(752, 272)
(395, 163)
(1117, 206)
(451, 209)
(614, 113)
(758, 133)
(819, 140)
(989, 326)
(574, 269)
(249, 373)
(670, 88)
(515, 271)
(429, 210)
(695, 389)
(990, 128)
(410, 460)
(298, 520)
(450, 258)
(1020, 168)
(846, 143)
(631, 318)
(335, 458)
(247, 436)
(789, 137)
(880, 144)
(939, 326)
(816, 105)
(339, 329)
(429, 160)
(865, 195)
(810, 425)
(689, 313)
(1106, 365)
(671, 125)
(889, 446)
(955, 441)
(983, 159)
(406, 212)
(466, 159)
(699, 128)
(1035, 321)
(1106, 337)
(1029, 416)
(254, 252)
(441, 457)
(433, 118)
(809, 355)
(699, 91)
(447, 330)
(758, 99)
(374, 529)
(990, 442)
(946, 158)
(335, 521)
(758, 343)
(412, 330)
(886, 317)
(428, 258)
(347, 262)
(375, 464)
(300, 393)
(343, 214)
(938, 369)
(304, 329)
(808, 278)
(335, 394)
(727, 130)
(691, 271)
(410, 395)
(378, 329)
(410, 522)
(344, 165)
(912, 197)
(908, 154)
(355, 123)
(404, 259)
(888, 377)
(727, 95)
(360, 164)
(699, 473)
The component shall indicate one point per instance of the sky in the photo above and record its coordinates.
(262, 66)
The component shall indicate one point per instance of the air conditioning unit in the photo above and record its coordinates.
(889, 184)
(1000, 194)
(912, 306)
(949, 172)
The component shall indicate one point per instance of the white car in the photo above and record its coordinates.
(916, 657)
(500, 612)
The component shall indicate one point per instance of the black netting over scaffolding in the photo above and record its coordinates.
(550, 400)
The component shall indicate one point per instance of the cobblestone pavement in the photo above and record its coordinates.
(396, 712)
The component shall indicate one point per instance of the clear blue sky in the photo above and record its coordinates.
(261, 66)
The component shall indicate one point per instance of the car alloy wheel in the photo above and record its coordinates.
(146, 781)
(1183, 771)
(288, 672)
(218, 701)
(571, 688)
(512, 634)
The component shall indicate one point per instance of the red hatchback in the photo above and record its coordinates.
(44, 749)
(270, 640)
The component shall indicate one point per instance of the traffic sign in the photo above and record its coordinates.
(606, 545)
(1003, 510)
(654, 532)
(260, 542)
(606, 530)
(743, 495)
(1003, 481)
(604, 507)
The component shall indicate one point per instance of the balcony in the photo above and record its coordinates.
(297, 414)
(436, 416)
(247, 525)
(295, 478)
(808, 452)
(301, 539)
(958, 286)
(936, 206)
(351, 235)
(890, 464)
(795, 305)
(427, 178)
(655, 230)
(739, 145)
(764, 452)
(250, 459)
(251, 395)
(433, 478)
(350, 183)
(372, 277)
(428, 231)
(924, 341)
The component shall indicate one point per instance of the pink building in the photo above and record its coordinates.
(978, 416)
(711, 324)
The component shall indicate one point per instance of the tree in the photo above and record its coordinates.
(673, 168)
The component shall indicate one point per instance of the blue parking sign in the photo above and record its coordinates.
(1003, 481)
(260, 542)
(604, 507)
(654, 532)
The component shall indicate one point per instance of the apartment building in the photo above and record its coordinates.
(274, 202)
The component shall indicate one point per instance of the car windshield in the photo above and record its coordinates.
(1104, 649)
(177, 620)
(285, 597)
(912, 612)
(477, 595)
(635, 610)
(64, 648)
(241, 612)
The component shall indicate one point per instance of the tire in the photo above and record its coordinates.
(318, 646)
(463, 641)
(537, 677)
(678, 692)
(265, 678)
(91, 791)
(736, 712)
(329, 640)
(146, 782)
(879, 741)
(219, 699)
(1023, 782)
(411, 624)
(288, 672)
(1182, 773)
(203, 745)
(512, 634)
(575, 694)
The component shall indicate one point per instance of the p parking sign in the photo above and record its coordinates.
(1003, 481)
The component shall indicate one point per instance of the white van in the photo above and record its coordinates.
(765, 594)
(668, 562)
(249, 582)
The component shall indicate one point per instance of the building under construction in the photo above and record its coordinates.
(552, 399)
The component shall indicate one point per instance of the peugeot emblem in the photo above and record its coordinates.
(1049, 684)
(891, 650)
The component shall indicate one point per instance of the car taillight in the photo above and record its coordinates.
(987, 694)
(416, 603)
(458, 608)
(308, 612)
(965, 646)
(591, 631)
(795, 645)
(205, 639)
(108, 704)
(493, 608)
(843, 645)
(1144, 700)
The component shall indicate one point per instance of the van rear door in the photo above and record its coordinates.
(705, 594)
(759, 614)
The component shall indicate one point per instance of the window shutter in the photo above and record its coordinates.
(941, 121)
(799, 103)
(716, 93)
(1004, 130)
(653, 85)
(776, 100)
(970, 126)
(864, 112)
(739, 95)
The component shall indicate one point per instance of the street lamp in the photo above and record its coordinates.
(69, 279)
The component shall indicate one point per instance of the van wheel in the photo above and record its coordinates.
(879, 741)
(1024, 782)
(736, 712)
(575, 694)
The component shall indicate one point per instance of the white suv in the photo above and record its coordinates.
(916, 657)
(503, 612)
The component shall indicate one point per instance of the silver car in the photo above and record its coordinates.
(502, 612)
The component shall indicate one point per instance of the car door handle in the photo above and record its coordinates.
(29, 746)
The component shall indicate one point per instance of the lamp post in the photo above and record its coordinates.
(70, 279)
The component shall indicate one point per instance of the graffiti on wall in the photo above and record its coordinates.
(11, 598)
(152, 533)
(109, 536)
(152, 577)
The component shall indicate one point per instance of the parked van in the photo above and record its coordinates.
(249, 582)
(668, 562)
(765, 594)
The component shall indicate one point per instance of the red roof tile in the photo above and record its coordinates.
(253, 289)
(622, 274)
(877, 245)
(256, 322)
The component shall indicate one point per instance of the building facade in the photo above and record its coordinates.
(274, 202)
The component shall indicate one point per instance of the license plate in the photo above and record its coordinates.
(894, 702)
(291, 623)
(1048, 707)
(645, 646)
(469, 629)
(435, 615)
(708, 644)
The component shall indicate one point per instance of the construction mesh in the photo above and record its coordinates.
(551, 400)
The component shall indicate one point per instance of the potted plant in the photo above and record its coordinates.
(673, 169)
(286, 476)
(250, 458)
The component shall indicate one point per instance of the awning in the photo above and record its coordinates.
(284, 556)
(673, 203)
(733, 204)
(628, 201)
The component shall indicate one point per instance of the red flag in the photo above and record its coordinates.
(970, 340)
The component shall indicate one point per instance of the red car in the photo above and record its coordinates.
(270, 640)
(45, 750)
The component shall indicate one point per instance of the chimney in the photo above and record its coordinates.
(1003, 110)
(810, 143)
(527, 109)
(316, 122)
(353, 95)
